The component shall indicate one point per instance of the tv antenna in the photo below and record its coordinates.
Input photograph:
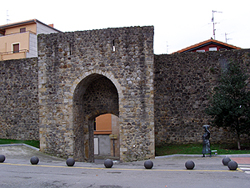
(167, 47)
(7, 17)
(226, 37)
(214, 11)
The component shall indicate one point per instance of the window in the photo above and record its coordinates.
(22, 30)
(213, 49)
(200, 50)
(222, 49)
(113, 45)
(15, 48)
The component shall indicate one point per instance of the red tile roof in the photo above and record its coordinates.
(204, 43)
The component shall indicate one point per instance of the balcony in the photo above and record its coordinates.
(13, 55)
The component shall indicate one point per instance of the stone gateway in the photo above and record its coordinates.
(85, 74)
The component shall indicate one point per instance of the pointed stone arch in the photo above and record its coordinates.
(95, 93)
(107, 74)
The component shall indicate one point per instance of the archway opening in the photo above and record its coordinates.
(94, 95)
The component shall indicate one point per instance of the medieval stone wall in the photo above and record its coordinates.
(19, 99)
(183, 85)
(81, 75)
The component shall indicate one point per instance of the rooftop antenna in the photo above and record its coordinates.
(167, 47)
(226, 37)
(7, 17)
(214, 11)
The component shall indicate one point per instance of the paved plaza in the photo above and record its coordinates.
(168, 171)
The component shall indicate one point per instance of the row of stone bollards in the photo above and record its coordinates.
(108, 163)
(226, 161)
(232, 165)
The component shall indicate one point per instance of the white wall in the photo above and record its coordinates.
(44, 29)
(32, 46)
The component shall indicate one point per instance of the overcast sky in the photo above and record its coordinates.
(177, 23)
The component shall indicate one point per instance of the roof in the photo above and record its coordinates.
(205, 43)
(3, 27)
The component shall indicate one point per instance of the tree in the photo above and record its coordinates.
(230, 104)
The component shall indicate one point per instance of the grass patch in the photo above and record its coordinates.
(197, 149)
(35, 143)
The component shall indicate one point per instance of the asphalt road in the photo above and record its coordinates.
(16, 171)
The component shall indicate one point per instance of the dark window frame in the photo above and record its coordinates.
(15, 46)
(23, 30)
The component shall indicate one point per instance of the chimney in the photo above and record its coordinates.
(51, 25)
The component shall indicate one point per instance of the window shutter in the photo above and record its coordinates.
(15, 48)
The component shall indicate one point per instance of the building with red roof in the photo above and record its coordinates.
(208, 45)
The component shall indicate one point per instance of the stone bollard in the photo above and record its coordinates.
(226, 160)
(34, 160)
(108, 163)
(2, 158)
(148, 164)
(70, 162)
(232, 165)
(189, 165)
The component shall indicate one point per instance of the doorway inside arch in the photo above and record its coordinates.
(95, 95)
(106, 137)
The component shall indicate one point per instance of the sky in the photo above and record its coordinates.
(177, 23)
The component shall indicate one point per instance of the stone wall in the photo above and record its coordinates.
(183, 85)
(69, 64)
(81, 75)
(19, 99)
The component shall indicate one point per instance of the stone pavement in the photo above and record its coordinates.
(168, 171)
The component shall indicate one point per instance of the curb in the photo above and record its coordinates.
(21, 144)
